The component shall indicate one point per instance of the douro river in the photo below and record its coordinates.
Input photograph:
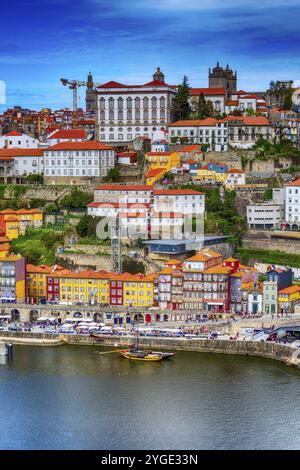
(73, 398)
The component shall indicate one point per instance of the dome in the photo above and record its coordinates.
(158, 75)
(217, 68)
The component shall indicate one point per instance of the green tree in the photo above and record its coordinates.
(288, 103)
(201, 107)
(76, 200)
(181, 106)
(250, 112)
(35, 179)
(113, 175)
(236, 112)
(281, 94)
(87, 225)
(209, 109)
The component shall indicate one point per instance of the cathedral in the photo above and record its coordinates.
(223, 78)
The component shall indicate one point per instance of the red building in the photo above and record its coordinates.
(53, 289)
(116, 292)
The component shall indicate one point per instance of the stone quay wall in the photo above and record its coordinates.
(246, 348)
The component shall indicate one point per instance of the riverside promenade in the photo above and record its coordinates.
(279, 352)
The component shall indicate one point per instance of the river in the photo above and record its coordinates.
(70, 397)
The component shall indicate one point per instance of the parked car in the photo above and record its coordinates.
(14, 328)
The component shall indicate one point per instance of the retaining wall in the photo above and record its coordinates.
(247, 348)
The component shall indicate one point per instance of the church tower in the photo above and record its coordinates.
(91, 95)
(223, 78)
(158, 75)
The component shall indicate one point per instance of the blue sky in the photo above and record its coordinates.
(125, 40)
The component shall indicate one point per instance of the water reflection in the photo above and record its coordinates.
(72, 397)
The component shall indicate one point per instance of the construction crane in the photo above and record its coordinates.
(116, 247)
(74, 85)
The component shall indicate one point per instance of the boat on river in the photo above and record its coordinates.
(147, 356)
(135, 354)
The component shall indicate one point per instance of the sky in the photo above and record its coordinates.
(125, 40)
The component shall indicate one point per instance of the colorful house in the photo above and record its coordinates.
(36, 280)
(288, 298)
(4, 247)
(100, 287)
(270, 294)
(167, 160)
(154, 174)
(13, 279)
(13, 223)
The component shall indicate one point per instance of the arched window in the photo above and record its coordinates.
(102, 103)
(154, 102)
(129, 115)
(137, 115)
(137, 103)
(129, 103)
(145, 102)
(154, 114)
(120, 115)
(120, 103)
(145, 114)
(111, 103)
(111, 115)
(162, 114)
(162, 102)
(102, 115)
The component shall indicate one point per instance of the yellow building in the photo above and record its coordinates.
(167, 160)
(4, 247)
(36, 280)
(12, 227)
(101, 288)
(154, 174)
(288, 298)
(138, 290)
(13, 223)
(83, 286)
(204, 174)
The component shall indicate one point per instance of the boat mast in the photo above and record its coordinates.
(137, 335)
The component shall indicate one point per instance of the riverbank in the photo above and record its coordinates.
(267, 350)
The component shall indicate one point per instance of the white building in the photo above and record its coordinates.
(126, 112)
(235, 177)
(244, 131)
(186, 201)
(244, 101)
(157, 213)
(266, 215)
(113, 209)
(66, 135)
(132, 193)
(28, 162)
(210, 132)
(15, 139)
(215, 95)
(77, 162)
(292, 202)
(255, 303)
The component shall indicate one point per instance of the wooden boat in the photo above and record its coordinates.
(136, 355)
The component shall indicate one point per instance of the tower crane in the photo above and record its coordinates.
(74, 85)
